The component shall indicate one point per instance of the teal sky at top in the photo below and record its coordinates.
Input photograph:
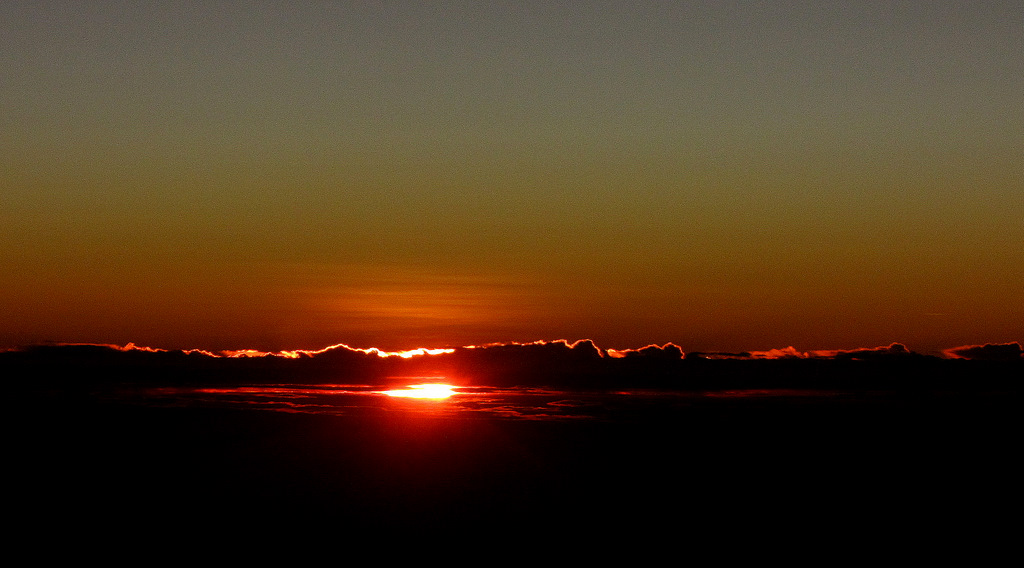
(649, 171)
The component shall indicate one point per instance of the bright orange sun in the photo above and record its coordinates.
(434, 391)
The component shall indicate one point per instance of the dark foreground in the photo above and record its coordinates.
(757, 473)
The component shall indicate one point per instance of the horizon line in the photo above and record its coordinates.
(968, 351)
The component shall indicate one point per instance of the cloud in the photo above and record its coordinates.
(667, 351)
(989, 352)
(560, 363)
(784, 353)
(391, 300)
(891, 350)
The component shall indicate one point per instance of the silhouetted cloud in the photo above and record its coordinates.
(668, 351)
(561, 363)
(989, 351)
(891, 350)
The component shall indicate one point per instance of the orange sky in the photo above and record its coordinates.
(279, 177)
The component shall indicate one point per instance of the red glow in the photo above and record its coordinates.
(622, 353)
(784, 353)
(297, 353)
(565, 342)
(369, 351)
(431, 391)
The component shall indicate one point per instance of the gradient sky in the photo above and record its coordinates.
(722, 175)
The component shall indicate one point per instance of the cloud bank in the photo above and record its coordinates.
(577, 364)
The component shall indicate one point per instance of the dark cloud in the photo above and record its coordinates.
(989, 352)
(892, 350)
(563, 364)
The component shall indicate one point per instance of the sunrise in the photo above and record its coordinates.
(462, 266)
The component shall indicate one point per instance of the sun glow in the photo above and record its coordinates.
(434, 391)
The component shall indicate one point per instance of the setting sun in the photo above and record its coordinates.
(434, 391)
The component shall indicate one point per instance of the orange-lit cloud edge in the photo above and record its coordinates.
(1003, 351)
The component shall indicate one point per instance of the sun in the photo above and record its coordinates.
(432, 390)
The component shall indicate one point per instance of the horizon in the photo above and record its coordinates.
(1006, 350)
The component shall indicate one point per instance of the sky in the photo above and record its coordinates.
(721, 175)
